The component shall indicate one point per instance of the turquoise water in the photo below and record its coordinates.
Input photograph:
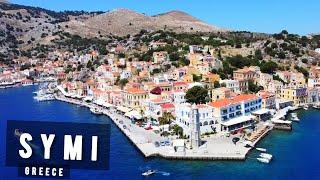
(296, 153)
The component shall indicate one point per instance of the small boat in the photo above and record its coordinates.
(296, 119)
(305, 107)
(266, 156)
(316, 106)
(148, 173)
(261, 149)
(95, 111)
(263, 160)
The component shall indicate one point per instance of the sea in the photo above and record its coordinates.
(296, 153)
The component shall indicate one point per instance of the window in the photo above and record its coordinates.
(205, 123)
(225, 111)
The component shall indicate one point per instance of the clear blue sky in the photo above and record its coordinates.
(297, 16)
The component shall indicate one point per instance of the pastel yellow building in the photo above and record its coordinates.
(211, 78)
(134, 97)
(299, 95)
(195, 59)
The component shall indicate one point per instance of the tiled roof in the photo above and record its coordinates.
(235, 100)
(135, 91)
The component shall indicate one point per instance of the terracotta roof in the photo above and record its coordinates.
(167, 106)
(135, 91)
(235, 100)
(180, 83)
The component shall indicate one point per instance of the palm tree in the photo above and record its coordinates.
(166, 118)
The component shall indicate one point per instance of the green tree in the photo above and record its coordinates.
(197, 95)
(196, 78)
(166, 118)
(216, 84)
(177, 130)
(258, 54)
(268, 67)
(123, 82)
(253, 87)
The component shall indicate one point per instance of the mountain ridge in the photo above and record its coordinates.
(125, 21)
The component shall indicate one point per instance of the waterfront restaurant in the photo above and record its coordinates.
(262, 114)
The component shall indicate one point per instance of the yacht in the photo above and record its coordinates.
(261, 149)
(148, 173)
(44, 97)
(266, 156)
(263, 160)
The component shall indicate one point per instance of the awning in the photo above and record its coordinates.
(134, 114)
(261, 112)
(107, 105)
(88, 98)
(99, 102)
(238, 120)
(281, 122)
(123, 109)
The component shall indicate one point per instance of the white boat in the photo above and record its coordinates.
(305, 107)
(294, 114)
(95, 110)
(266, 156)
(261, 149)
(316, 106)
(263, 160)
(44, 97)
(296, 119)
(148, 173)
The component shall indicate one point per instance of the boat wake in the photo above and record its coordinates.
(163, 173)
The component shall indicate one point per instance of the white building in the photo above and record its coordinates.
(234, 114)
(313, 82)
(233, 85)
(179, 97)
(207, 122)
(125, 74)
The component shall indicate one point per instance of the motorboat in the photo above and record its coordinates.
(266, 156)
(44, 97)
(263, 160)
(293, 114)
(305, 107)
(95, 110)
(295, 118)
(261, 149)
(148, 173)
(316, 106)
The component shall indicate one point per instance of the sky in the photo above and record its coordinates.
(269, 16)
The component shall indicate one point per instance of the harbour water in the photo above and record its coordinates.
(296, 153)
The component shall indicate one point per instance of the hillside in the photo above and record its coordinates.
(122, 22)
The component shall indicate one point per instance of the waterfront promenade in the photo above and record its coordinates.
(213, 148)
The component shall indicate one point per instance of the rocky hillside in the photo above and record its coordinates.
(122, 22)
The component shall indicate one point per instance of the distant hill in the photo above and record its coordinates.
(123, 21)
